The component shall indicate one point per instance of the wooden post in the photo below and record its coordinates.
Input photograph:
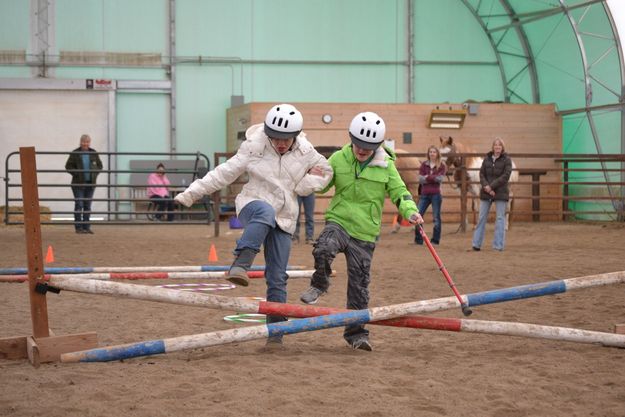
(463, 198)
(32, 228)
(565, 190)
(41, 346)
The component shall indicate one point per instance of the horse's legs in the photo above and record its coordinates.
(473, 212)
(509, 208)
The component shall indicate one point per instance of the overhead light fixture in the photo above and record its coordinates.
(446, 119)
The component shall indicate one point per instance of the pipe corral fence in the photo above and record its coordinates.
(120, 195)
(550, 187)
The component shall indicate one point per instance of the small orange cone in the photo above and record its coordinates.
(395, 220)
(50, 255)
(212, 254)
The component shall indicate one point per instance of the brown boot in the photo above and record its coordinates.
(238, 271)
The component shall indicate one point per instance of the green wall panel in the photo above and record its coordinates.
(203, 97)
(14, 24)
(112, 25)
(142, 124)
(326, 83)
(437, 83)
(446, 30)
(80, 25)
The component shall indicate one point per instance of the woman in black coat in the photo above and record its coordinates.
(494, 177)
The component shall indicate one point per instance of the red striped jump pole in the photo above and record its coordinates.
(295, 310)
(152, 275)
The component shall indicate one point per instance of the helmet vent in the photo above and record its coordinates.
(292, 113)
(368, 133)
(280, 121)
(377, 122)
(286, 124)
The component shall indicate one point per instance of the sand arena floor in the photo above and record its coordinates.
(411, 372)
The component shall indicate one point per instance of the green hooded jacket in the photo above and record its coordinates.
(359, 196)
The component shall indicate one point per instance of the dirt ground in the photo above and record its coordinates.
(411, 372)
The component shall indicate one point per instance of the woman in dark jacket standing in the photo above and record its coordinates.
(494, 176)
(84, 165)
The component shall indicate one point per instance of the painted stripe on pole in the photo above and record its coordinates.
(318, 323)
(153, 275)
(87, 270)
(131, 350)
(516, 293)
(416, 322)
(148, 293)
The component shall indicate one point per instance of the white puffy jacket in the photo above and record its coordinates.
(273, 178)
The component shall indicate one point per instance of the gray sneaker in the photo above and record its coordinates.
(362, 343)
(311, 295)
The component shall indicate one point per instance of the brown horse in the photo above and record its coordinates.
(472, 165)
(408, 168)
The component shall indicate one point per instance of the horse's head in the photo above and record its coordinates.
(447, 146)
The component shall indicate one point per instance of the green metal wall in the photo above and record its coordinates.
(334, 51)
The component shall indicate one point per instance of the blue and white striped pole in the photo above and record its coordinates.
(98, 269)
(174, 344)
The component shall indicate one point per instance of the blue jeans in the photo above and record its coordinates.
(499, 240)
(436, 200)
(163, 204)
(309, 215)
(259, 222)
(82, 206)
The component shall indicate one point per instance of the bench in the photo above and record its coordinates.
(180, 172)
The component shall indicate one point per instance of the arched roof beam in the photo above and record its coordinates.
(527, 51)
(588, 92)
(525, 46)
(525, 18)
(502, 71)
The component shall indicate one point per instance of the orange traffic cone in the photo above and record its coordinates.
(50, 255)
(212, 254)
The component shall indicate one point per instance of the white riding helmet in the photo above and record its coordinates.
(367, 130)
(283, 121)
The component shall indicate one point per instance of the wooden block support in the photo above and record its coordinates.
(49, 349)
(619, 328)
(13, 348)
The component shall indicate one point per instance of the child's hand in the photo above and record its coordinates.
(416, 219)
(316, 170)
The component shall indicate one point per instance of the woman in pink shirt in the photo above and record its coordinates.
(158, 192)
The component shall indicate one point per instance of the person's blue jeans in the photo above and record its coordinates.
(499, 240)
(82, 206)
(436, 200)
(309, 215)
(164, 204)
(259, 227)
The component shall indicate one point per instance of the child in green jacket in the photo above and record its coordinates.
(364, 174)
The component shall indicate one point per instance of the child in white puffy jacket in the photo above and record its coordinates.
(281, 164)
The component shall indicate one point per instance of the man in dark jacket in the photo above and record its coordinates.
(84, 165)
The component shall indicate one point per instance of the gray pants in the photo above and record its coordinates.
(358, 253)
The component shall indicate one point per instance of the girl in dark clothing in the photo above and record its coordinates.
(431, 175)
